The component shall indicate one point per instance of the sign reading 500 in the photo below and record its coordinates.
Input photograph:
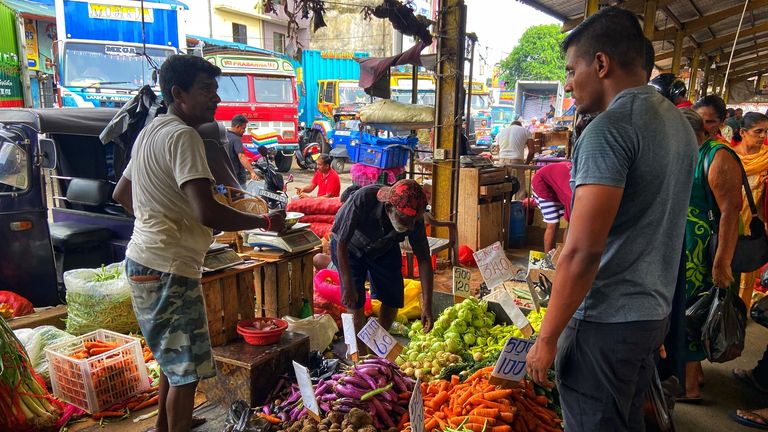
(120, 13)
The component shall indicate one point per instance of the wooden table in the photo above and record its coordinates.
(283, 282)
(229, 298)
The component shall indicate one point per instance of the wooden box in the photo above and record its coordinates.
(251, 372)
(283, 282)
(228, 299)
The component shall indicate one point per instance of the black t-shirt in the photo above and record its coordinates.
(234, 150)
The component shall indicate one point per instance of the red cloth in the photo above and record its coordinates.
(466, 256)
(328, 184)
(686, 104)
(553, 183)
(315, 206)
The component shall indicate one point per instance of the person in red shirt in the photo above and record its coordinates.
(326, 180)
(552, 191)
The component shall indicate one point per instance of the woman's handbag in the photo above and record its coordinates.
(752, 250)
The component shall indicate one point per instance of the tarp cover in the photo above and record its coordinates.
(70, 121)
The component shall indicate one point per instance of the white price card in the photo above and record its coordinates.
(461, 277)
(379, 340)
(416, 408)
(514, 313)
(494, 265)
(350, 338)
(511, 364)
(307, 390)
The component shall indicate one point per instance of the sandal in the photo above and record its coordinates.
(760, 422)
(747, 376)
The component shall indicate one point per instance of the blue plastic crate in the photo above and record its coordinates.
(410, 141)
(379, 156)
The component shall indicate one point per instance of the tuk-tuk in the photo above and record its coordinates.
(86, 227)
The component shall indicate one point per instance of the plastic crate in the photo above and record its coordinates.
(380, 157)
(98, 382)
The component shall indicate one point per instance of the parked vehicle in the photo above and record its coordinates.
(107, 52)
(271, 187)
(308, 152)
(480, 124)
(533, 98)
(401, 85)
(346, 133)
(501, 117)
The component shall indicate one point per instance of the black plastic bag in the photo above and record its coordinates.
(724, 332)
(696, 315)
(759, 311)
(239, 419)
(658, 415)
(764, 278)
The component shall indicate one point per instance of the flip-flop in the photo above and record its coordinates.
(750, 423)
(690, 400)
(746, 376)
(196, 421)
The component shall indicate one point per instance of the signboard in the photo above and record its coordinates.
(119, 13)
(249, 63)
(306, 390)
(10, 68)
(350, 338)
(494, 265)
(30, 38)
(379, 340)
(46, 34)
(511, 364)
(461, 277)
(337, 55)
(416, 408)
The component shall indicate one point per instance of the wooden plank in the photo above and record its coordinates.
(258, 287)
(495, 189)
(230, 307)
(467, 207)
(283, 289)
(270, 291)
(307, 274)
(245, 294)
(490, 224)
(54, 316)
(297, 287)
(213, 307)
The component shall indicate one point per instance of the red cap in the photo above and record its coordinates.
(406, 196)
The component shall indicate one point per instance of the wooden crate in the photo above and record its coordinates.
(228, 299)
(250, 373)
(283, 282)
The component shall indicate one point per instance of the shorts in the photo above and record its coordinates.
(384, 272)
(171, 313)
(552, 211)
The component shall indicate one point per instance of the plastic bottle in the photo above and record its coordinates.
(306, 310)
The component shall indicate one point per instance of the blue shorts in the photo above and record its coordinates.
(170, 310)
(384, 272)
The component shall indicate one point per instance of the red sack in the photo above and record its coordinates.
(20, 305)
(311, 219)
(315, 206)
(320, 229)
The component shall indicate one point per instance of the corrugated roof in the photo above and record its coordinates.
(41, 8)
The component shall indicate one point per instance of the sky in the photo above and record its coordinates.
(499, 25)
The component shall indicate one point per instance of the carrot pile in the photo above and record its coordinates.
(124, 409)
(92, 349)
(478, 406)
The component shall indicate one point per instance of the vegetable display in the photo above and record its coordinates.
(35, 342)
(99, 299)
(478, 406)
(24, 400)
(356, 420)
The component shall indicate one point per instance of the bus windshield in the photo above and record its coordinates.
(351, 95)
(273, 89)
(479, 102)
(111, 66)
(426, 97)
(502, 115)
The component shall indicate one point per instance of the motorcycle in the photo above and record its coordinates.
(272, 188)
(308, 152)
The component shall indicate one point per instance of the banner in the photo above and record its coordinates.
(46, 34)
(30, 36)
(10, 80)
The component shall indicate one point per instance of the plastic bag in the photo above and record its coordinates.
(411, 309)
(240, 419)
(319, 328)
(696, 315)
(96, 305)
(658, 417)
(724, 332)
(35, 342)
(759, 311)
(326, 285)
(19, 304)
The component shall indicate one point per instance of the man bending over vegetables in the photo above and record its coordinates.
(365, 240)
(169, 188)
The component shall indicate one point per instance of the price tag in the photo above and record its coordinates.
(494, 265)
(461, 277)
(379, 340)
(350, 338)
(416, 408)
(307, 390)
(511, 364)
(514, 313)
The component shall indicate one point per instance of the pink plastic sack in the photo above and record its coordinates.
(327, 287)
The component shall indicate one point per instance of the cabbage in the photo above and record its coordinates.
(37, 340)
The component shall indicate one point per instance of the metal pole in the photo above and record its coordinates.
(468, 114)
(733, 48)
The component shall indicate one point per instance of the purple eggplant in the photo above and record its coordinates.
(324, 406)
(382, 413)
(356, 381)
(399, 383)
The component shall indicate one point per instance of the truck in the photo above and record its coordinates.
(401, 85)
(108, 50)
(502, 110)
(480, 112)
(534, 99)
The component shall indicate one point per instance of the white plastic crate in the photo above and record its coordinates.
(98, 382)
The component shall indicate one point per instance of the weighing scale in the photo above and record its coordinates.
(296, 239)
(219, 257)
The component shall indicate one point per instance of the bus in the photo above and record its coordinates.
(480, 106)
(401, 85)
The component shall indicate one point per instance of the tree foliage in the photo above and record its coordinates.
(536, 57)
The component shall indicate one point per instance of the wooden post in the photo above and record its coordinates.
(451, 33)
(649, 19)
(678, 52)
(692, 82)
(707, 75)
(590, 8)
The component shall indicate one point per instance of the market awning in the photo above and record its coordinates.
(193, 41)
(35, 8)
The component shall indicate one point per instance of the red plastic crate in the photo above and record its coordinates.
(98, 382)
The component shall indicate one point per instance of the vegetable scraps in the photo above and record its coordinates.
(478, 406)
(24, 400)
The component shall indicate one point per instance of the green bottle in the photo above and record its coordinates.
(306, 310)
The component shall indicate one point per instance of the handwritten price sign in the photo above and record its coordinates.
(306, 389)
(416, 408)
(494, 265)
(348, 323)
(461, 278)
(379, 340)
(511, 363)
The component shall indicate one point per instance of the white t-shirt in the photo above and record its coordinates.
(512, 142)
(166, 235)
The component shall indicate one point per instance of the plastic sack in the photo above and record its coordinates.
(724, 332)
(658, 417)
(696, 315)
(20, 305)
(759, 311)
(327, 283)
(240, 419)
(319, 328)
(35, 342)
(411, 309)
(93, 305)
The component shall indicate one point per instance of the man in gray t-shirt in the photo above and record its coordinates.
(632, 175)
